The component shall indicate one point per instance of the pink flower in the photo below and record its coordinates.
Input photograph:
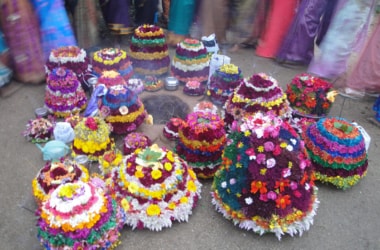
(268, 146)
(260, 158)
(91, 123)
(293, 185)
(272, 195)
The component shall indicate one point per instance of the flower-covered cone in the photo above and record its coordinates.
(110, 78)
(112, 59)
(337, 150)
(79, 216)
(149, 51)
(155, 187)
(266, 183)
(92, 138)
(122, 109)
(56, 173)
(259, 93)
(64, 94)
(201, 140)
(191, 61)
(223, 83)
(310, 95)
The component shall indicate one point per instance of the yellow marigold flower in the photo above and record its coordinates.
(184, 199)
(139, 174)
(171, 206)
(260, 149)
(263, 171)
(156, 174)
(133, 187)
(168, 166)
(247, 133)
(125, 204)
(283, 144)
(191, 186)
(170, 156)
(290, 164)
(153, 210)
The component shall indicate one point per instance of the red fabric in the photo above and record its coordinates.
(279, 19)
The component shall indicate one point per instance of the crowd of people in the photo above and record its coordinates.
(289, 32)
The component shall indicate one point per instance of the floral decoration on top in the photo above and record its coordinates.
(39, 130)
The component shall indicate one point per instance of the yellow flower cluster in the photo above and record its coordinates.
(38, 194)
(153, 210)
(107, 166)
(149, 56)
(98, 58)
(130, 117)
(339, 181)
(212, 146)
(90, 146)
(229, 69)
(140, 33)
(269, 104)
(110, 74)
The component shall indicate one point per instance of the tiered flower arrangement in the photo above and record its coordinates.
(92, 138)
(337, 150)
(79, 216)
(205, 106)
(266, 182)
(56, 173)
(110, 78)
(193, 88)
(191, 61)
(155, 187)
(64, 94)
(201, 140)
(135, 140)
(152, 84)
(39, 130)
(125, 110)
(110, 160)
(223, 82)
(310, 95)
(171, 128)
(149, 51)
(70, 57)
(259, 93)
(112, 59)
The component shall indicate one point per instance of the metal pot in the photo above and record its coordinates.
(171, 83)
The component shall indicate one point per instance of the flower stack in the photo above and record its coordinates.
(155, 187)
(337, 150)
(135, 140)
(122, 109)
(205, 106)
(194, 88)
(266, 182)
(310, 95)
(56, 173)
(201, 140)
(223, 82)
(259, 93)
(92, 138)
(191, 61)
(171, 128)
(110, 78)
(64, 94)
(79, 215)
(39, 130)
(149, 51)
(70, 57)
(108, 161)
(112, 59)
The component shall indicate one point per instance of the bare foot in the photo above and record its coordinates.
(234, 48)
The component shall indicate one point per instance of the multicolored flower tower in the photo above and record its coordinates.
(266, 182)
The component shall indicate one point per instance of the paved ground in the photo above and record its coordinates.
(344, 220)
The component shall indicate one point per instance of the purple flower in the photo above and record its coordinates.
(268, 146)
(260, 158)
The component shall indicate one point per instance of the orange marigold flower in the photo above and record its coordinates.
(258, 186)
(283, 201)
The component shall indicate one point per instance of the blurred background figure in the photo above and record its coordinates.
(345, 35)
(117, 15)
(146, 12)
(181, 18)
(54, 24)
(280, 16)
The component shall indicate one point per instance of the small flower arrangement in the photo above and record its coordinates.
(39, 130)
(151, 83)
(110, 160)
(310, 95)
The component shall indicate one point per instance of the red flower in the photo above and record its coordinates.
(91, 123)
(282, 185)
(258, 186)
(283, 201)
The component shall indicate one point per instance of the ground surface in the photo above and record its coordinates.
(345, 219)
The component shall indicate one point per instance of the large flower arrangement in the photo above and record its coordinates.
(56, 173)
(39, 129)
(201, 139)
(266, 183)
(310, 95)
(92, 138)
(79, 216)
(337, 150)
(155, 187)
